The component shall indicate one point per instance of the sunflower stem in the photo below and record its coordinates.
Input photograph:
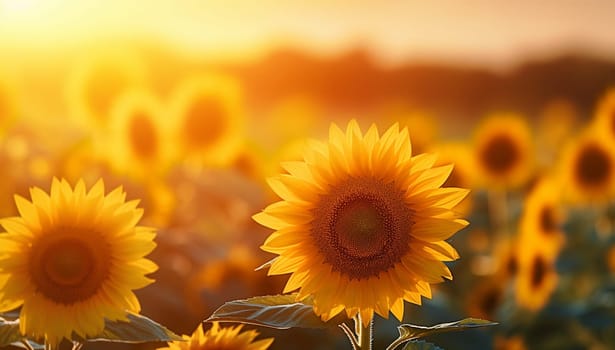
(498, 211)
(353, 339)
(365, 336)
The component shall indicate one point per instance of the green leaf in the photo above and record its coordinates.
(408, 332)
(9, 332)
(138, 329)
(421, 345)
(275, 311)
(33, 345)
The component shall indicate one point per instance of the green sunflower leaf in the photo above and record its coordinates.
(138, 329)
(408, 332)
(31, 344)
(275, 311)
(421, 345)
(9, 332)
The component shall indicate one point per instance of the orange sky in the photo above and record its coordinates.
(493, 32)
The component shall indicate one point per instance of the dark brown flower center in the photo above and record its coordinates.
(143, 137)
(538, 272)
(205, 122)
(490, 300)
(69, 267)
(512, 265)
(500, 154)
(593, 166)
(362, 227)
(548, 222)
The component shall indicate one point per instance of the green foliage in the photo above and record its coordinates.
(275, 311)
(421, 345)
(9, 332)
(409, 332)
(138, 329)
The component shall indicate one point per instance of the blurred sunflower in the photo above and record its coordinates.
(462, 175)
(8, 104)
(587, 168)
(558, 121)
(542, 218)
(510, 343)
(98, 79)
(486, 297)
(289, 120)
(137, 142)
(72, 259)
(220, 338)
(361, 225)
(422, 127)
(604, 117)
(208, 120)
(231, 277)
(536, 279)
(503, 150)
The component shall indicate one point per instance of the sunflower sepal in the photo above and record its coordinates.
(282, 311)
(410, 333)
(135, 329)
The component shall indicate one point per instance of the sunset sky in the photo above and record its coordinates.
(495, 33)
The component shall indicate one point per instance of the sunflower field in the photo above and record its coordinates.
(159, 192)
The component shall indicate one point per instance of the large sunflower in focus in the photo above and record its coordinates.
(587, 168)
(208, 120)
(503, 150)
(72, 259)
(361, 225)
(220, 338)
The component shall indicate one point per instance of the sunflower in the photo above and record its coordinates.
(422, 125)
(604, 117)
(8, 104)
(510, 343)
(587, 168)
(137, 141)
(462, 175)
(98, 79)
(503, 150)
(557, 122)
(536, 278)
(486, 298)
(542, 218)
(208, 119)
(220, 338)
(361, 224)
(72, 259)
